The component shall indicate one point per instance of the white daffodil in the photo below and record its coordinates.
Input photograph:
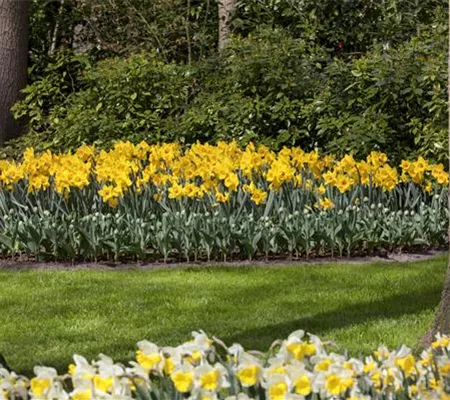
(45, 385)
(323, 362)
(425, 364)
(382, 353)
(391, 378)
(301, 378)
(402, 360)
(441, 342)
(194, 351)
(172, 359)
(138, 371)
(235, 351)
(276, 365)
(11, 385)
(335, 382)
(211, 378)
(249, 370)
(82, 389)
(107, 366)
(81, 368)
(278, 386)
(317, 342)
(183, 378)
(295, 347)
(202, 340)
(354, 365)
(149, 356)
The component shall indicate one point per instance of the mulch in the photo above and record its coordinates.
(30, 264)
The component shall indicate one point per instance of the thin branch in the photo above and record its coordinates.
(188, 37)
(52, 49)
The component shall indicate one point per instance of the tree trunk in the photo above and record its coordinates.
(442, 319)
(225, 9)
(13, 62)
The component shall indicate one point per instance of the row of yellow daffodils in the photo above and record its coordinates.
(216, 170)
(300, 367)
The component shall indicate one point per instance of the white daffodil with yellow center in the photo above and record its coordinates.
(149, 356)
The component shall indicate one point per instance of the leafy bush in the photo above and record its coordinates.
(185, 31)
(342, 27)
(119, 98)
(45, 99)
(391, 98)
(299, 367)
(268, 87)
(256, 91)
(221, 202)
(281, 91)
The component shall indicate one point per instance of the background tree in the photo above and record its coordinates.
(13, 62)
(226, 8)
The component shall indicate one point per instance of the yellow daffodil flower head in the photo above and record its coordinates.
(277, 387)
(183, 378)
(249, 374)
(149, 356)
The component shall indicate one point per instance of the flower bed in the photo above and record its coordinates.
(300, 367)
(216, 202)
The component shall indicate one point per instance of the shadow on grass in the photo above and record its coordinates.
(351, 314)
(221, 303)
(262, 337)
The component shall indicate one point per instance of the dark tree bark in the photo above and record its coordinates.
(226, 7)
(13, 62)
(442, 319)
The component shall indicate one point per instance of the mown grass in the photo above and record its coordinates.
(47, 315)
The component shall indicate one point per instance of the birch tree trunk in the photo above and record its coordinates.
(226, 7)
(13, 62)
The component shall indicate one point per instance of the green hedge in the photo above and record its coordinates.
(269, 86)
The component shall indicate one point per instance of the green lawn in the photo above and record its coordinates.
(45, 316)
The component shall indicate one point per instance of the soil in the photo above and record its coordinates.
(29, 264)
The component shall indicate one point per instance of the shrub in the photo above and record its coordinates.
(269, 87)
(257, 91)
(118, 98)
(45, 100)
(342, 27)
(391, 98)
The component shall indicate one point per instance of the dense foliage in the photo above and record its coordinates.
(343, 76)
(216, 202)
(179, 29)
(299, 367)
